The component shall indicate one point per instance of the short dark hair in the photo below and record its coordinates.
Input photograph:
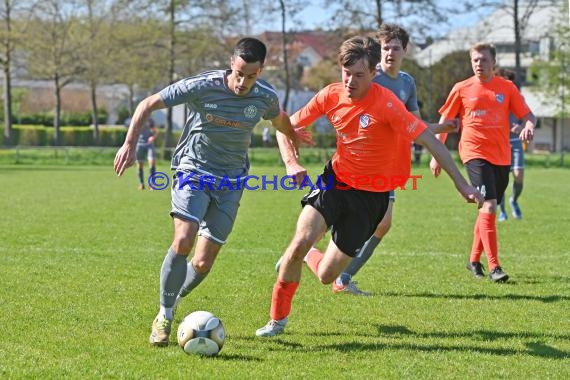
(250, 50)
(480, 46)
(356, 48)
(506, 73)
(389, 32)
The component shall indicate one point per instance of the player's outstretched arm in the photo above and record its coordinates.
(288, 139)
(444, 159)
(446, 126)
(154, 132)
(290, 157)
(297, 135)
(528, 122)
(434, 165)
(125, 156)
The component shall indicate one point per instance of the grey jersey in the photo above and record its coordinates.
(403, 86)
(145, 134)
(218, 130)
(512, 121)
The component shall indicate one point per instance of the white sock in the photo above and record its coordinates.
(177, 301)
(165, 313)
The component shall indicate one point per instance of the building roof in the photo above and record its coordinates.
(540, 104)
(498, 29)
(318, 44)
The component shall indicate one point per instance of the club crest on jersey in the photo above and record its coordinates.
(500, 98)
(250, 111)
(364, 121)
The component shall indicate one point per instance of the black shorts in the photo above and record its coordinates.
(351, 214)
(491, 180)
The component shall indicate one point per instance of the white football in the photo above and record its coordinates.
(201, 332)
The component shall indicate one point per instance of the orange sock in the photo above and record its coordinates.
(477, 247)
(282, 298)
(488, 232)
(313, 259)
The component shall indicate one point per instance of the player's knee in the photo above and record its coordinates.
(489, 207)
(300, 247)
(182, 245)
(201, 266)
(383, 228)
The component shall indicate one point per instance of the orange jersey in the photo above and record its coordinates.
(370, 155)
(484, 110)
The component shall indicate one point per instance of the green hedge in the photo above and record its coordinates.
(67, 118)
(32, 135)
(70, 136)
(37, 135)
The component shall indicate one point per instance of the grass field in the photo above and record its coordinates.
(80, 254)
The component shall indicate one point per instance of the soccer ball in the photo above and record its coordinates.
(201, 332)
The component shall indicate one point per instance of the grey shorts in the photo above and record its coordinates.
(213, 209)
(145, 151)
(517, 154)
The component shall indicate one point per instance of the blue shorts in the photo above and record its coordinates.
(517, 154)
(213, 208)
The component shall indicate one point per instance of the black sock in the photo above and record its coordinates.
(517, 190)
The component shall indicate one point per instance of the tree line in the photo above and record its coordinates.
(147, 44)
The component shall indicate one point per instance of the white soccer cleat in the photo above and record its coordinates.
(272, 328)
(349, 288)
(160, 332)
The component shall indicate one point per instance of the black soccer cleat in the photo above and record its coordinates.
(476, 268)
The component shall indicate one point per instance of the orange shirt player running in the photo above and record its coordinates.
(368, 131)
(484, 112)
